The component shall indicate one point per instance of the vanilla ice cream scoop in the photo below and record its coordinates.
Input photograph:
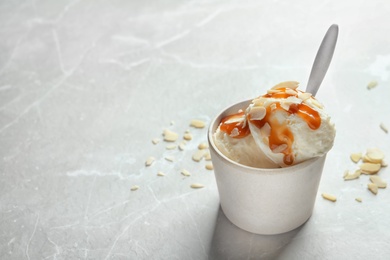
(284, 127)
(234, 140)
(289, 125)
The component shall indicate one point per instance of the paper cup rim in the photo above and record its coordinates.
(280, 170)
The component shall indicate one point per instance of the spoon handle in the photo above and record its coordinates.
(322, 60)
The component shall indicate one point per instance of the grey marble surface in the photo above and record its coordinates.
(86, 85)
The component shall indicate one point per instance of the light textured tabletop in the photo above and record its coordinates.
(85, 86)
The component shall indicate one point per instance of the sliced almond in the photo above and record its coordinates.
(358, 199)
(155, 140)
(257, 113)
(187, 136)
(198, 155)
(134, 188)
(207, 156)
(365, 159)
(234, 132)
(378, 181)
(209, 166)
(185, 173)
(352, 176)
(358, 172)
(384, 163)
(355, 157)
(304, 95)
(171, 147)
(375, 155)
(272, 91)
(170, 136)
(160, 174)
(384, 128)
(370, 168)
(285, 105)
(316, 103)
(373, 188)
(170, 158)
(197, 186)
(372, 84)
(150, 161)
(197, 123)
(182, 145)
(260, 101)
(280, 148)
(291, 91)
(235, 120)
(202, 146)
(287, 84)
(265, 130)
(328, 196)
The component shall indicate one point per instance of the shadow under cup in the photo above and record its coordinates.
(260, 200)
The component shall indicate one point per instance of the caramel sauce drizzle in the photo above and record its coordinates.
(243, 130)
(280, 134)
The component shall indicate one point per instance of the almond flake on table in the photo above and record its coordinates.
(171, 147)
(197, 123)
(169, 158)
(207, 156)
(372, 84)
(185, 173)
(384, 128)
(370, 168)
(182, 145)
(384, 163)
(355, 157)
(352, 176)
(209, 166)
(329, 197)
(155, 140)
(198, 155)
(134, 188)
(150, 160)
(374, 155)
(187, 136)
(197, 186)
(378, 181)
(202, 146)
(373, 188)
(170, 136)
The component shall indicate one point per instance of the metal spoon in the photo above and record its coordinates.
(322, 60)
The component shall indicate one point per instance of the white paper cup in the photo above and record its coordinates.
(260, 200)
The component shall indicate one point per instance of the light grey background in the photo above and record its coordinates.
(86, 85)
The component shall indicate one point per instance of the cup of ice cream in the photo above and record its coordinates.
(268, 154)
